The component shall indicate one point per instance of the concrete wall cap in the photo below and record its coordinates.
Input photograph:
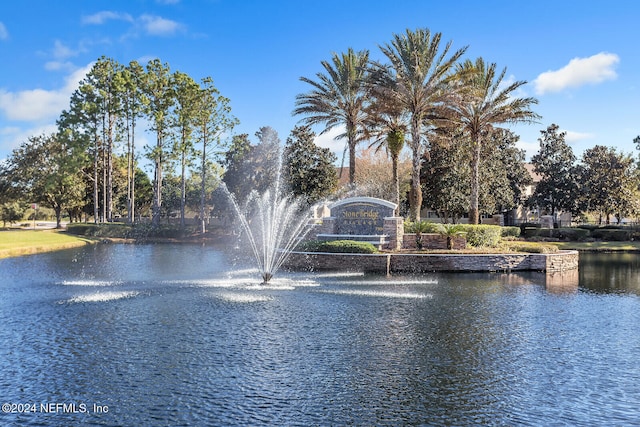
(375, 200)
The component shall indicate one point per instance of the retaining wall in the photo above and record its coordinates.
(417, 263)
(432, 241)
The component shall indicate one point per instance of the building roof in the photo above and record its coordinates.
(535, 176)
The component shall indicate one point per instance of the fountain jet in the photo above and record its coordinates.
(273, 223)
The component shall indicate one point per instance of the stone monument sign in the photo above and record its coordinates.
(361, 215)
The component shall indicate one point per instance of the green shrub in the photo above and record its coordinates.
(100, 230)
(532, 247)
(589, 227)
(338, 246)
(510, 231)
(612, 227)
(79, 229)
(483, 235)
(611, 235)
(526, 225)
(572, 234)
(424, 227)
(126, 231)
(529, 232)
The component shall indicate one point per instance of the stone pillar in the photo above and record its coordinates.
(327, 226)
(394, 228)
(324, 226)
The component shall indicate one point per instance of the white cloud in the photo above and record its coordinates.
(578, 72)
(12, 137)
(62, 51)
(37, 105)
(530, 148)
(151, 24)
(31, 105)
(327, 140)
(158, 26)
(59, 65)
(104, 16)
(4, 34)
(572, 136)
(144, 59)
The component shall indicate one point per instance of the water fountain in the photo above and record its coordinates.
(273, 223)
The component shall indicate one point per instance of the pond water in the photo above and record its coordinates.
(135, 335)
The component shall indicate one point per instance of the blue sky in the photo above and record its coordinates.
(580, 58)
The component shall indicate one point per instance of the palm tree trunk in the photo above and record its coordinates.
(474, 216)
(415, 193)
(396, 181)
(351, 141)
(352, 164)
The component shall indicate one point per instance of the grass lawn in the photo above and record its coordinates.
(599, 246)
(25, 242)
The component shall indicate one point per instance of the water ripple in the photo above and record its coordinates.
(380, 294)
(203, 347)
(102, 297)
(243, 297)
(89, 282)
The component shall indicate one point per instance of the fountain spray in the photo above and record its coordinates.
(274, 223)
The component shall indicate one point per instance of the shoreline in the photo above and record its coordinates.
(70, 241)
(42, 245)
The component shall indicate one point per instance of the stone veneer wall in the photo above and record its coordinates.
(394, 228)
(416, 263)
(432, 241)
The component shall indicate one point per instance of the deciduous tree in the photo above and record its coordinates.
(11, 212)
(46, 170)
(555, 162)
(308, 170)
(609, 181)
(251, 167)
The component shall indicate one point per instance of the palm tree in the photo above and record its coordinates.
(338, 98)
(387, 126)
(484, 100)
(450, 231)
(415, 79)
